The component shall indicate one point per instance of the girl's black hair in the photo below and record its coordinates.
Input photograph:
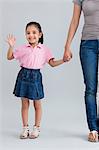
(36, 24)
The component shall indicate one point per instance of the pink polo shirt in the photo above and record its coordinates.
(33, 58)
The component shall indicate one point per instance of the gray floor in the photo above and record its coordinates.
(63, 127)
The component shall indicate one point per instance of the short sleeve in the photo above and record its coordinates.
(79, 2)
(17, 53)
(49, 55)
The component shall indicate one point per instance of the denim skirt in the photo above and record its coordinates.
(29, 84)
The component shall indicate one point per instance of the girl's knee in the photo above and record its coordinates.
(37, 105)
(25, 104)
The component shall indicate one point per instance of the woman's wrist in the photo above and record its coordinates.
(67, 46)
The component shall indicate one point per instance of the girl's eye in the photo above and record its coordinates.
(28, 32)
(34, 32)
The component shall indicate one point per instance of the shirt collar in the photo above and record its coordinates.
(38, 46)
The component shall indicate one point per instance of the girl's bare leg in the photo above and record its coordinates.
(38, 112)
(24, 111)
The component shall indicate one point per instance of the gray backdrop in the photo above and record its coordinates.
(64, 121)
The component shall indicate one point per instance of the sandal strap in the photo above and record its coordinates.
(25, 132)
(35, 132)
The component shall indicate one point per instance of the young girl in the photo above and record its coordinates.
(32, 57)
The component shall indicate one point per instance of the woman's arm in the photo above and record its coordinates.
(11, 41)
(72, 30)
(54, 63)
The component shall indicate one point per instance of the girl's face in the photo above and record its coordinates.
(33, 35)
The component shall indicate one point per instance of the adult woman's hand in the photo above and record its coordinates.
(67, 55)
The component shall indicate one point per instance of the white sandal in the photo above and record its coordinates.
(93, 136)
(25, 133)
(35, 133)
